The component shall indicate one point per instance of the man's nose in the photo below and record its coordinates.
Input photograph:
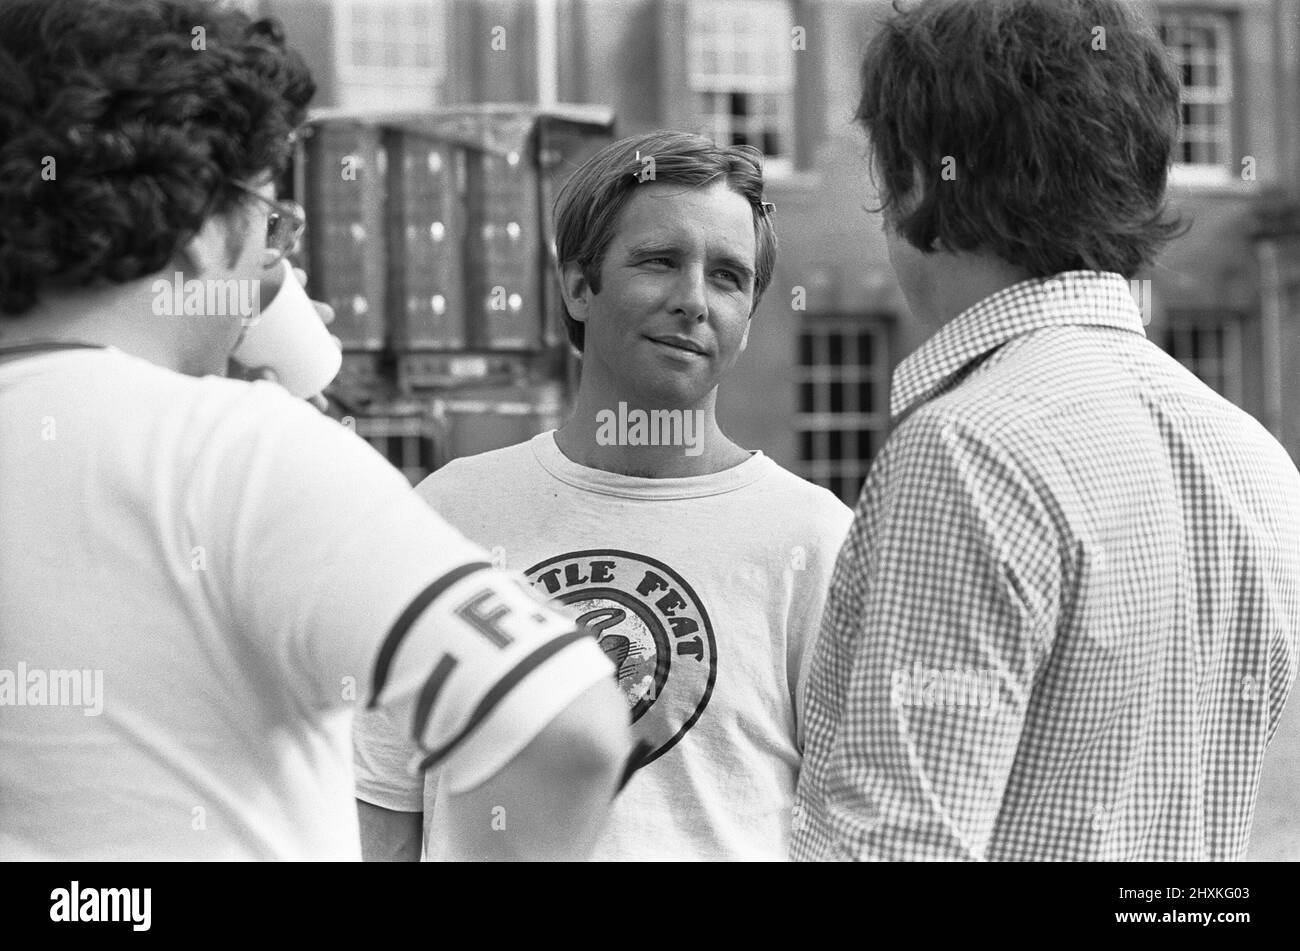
(689, 293)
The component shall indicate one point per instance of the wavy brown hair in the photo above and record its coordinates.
(1060, 149)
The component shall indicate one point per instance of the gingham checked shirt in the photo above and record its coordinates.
(1068, 613)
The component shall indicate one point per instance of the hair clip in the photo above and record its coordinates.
(768, 207)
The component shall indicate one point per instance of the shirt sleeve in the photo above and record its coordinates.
(955, 569)
(356, 592)
(382, 752)
(810, 603)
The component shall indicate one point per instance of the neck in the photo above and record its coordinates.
(121, 317)
(959, 281)
(630, 436)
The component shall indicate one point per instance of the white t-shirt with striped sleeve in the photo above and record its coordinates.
(224, 575)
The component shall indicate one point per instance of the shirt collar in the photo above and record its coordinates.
(1076, 298)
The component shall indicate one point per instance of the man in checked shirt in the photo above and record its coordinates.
(1068, 613)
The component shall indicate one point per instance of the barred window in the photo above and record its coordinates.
(842, 401)
(1201, 46)
(742, 75)
(1208, 344)
(391, 52)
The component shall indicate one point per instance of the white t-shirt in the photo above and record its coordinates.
(706, 591)
(199, 580)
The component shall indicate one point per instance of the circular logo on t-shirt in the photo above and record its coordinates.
(651, 624)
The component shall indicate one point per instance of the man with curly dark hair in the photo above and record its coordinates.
(199, 576)
(1068, 614)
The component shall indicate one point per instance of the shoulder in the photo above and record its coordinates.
(255, 441)
(267, 416)
(793, 496)
(804, 524)
(211, 414)
(492, 471)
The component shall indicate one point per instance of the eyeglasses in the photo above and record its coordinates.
(284, 225)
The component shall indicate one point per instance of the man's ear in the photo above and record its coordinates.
(217, 247)
(575, 290)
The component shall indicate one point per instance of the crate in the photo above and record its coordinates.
(344, 189)
(504, 252)
(426, 242)
(430, 231)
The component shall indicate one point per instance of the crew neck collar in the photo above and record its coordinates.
(549, 456)
(40, 361)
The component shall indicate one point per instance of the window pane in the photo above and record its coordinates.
(849, 396)
(805, 350)
(806, 404)
(871, 441)
(740, 49)
(837, 397)
(1196, 43)
(866, 349)
(1203, 115)
(867, 396)
(835, 344)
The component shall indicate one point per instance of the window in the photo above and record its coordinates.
(842, 400)
(1201, 46)
(742, 75)
(391, 53)
(1208, 344)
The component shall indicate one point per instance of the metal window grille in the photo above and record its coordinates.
(842, 400)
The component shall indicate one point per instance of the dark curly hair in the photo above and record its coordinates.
(146, 118)
(592, 199)
(1059, 149)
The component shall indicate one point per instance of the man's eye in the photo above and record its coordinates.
(659, 261)
(731, 276)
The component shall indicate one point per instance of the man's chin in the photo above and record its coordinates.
(672, 395)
